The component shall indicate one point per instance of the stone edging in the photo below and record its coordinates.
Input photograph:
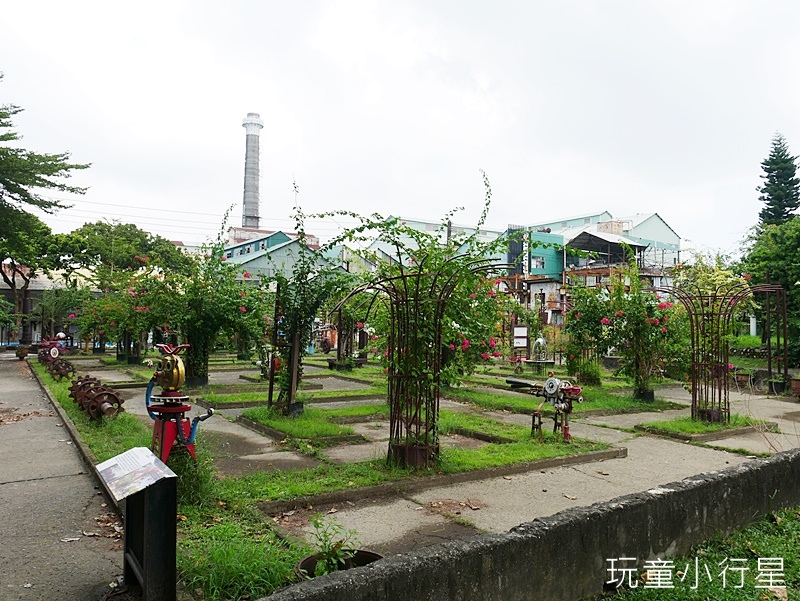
(89, 458)
(416, 485)
(716, 435)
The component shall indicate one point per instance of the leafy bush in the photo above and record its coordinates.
(589, 373)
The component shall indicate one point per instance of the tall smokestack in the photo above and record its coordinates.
(252, 125)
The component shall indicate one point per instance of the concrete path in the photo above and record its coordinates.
(51, 505)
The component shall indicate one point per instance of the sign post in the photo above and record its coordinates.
(151, 507)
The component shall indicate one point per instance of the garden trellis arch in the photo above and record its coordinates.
(710, 318)
(417, 300)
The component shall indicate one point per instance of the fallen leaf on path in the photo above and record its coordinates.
(332, 510)
(508, 477)
(70, 539)
(182, 518)
(85, 533)
(27, 585)
(570, 497)
(602, 473)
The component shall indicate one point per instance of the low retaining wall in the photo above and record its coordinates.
(563, 557)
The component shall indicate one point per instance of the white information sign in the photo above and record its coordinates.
(133, 471)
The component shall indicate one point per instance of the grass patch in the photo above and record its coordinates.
(217, 398)
(595, 399)
(311, 424)
(776, 536)
(686, 425)
(380, 410)
(455, 460)
(451, 421)
(230, 554)
(312, 395)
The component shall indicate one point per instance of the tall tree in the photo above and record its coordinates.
(23, 171)
(106, 248)
(780, 192)
(25, 243)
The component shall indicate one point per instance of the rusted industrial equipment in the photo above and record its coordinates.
(51, 349)
(96, 399)
(561, 394)
(169, 408)
(59, 368)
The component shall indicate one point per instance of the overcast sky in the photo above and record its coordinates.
(394, 107)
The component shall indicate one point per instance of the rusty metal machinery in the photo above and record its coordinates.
(560, 394)
(168, 409)
(60, 368)
(95, 399)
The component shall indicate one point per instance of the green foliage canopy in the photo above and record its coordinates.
(23, 171)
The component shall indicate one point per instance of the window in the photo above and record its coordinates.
(229, 254)
(537, 262)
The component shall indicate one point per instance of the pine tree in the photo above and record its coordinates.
(780, 192)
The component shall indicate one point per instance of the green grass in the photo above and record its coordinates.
(450, 421)
(686, 425)
(311, 395)
(776, 536)
(229, 554)
(216, 398)
(380, 410)
(310, 425)
(750, 363)
(595, 399)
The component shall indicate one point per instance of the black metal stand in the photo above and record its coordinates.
(150, 540)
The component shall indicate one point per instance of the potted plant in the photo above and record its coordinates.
(22, 351)
(335, 550)
(777, 385)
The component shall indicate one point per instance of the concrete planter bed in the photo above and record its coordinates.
(417, 483)
(705, 436)
(278, 434)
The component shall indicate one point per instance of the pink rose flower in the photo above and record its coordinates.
(605, 321)
(243, 309)
(464, 344)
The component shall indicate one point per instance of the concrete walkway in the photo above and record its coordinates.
(57, 540)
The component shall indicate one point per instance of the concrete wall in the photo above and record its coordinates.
(563, 557)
